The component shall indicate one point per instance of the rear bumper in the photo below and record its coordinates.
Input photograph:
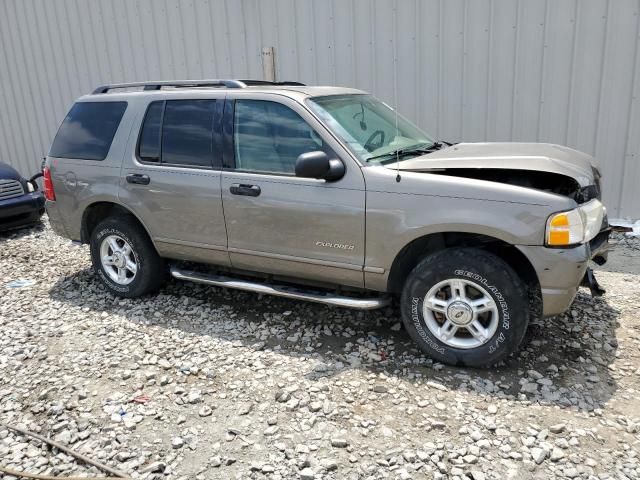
(22, 210)
(55, 219)
(561, 271)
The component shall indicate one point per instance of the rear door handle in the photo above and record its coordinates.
(243, 189)
(138, 179)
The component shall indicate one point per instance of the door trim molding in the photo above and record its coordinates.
(291, 258)
(374, 269)
(190, 244)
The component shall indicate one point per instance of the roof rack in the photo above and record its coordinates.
(251, 83)
(191, 83)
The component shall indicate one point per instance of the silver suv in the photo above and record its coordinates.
(326, 194)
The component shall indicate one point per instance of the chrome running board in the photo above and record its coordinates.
(281, 290)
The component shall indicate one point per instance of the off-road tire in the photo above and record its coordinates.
(151, 273)
(480, 267)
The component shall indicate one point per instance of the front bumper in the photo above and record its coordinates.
(22, 210)
(561, 271)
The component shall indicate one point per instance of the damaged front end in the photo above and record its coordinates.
(549, 168)
(589, 281)
(561, 185)
(599, 247)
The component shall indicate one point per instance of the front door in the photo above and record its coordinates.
(277, 222)
(171, 179)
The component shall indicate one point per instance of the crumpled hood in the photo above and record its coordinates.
(543, 157)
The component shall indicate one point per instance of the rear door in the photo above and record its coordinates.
(171, 178)
(277, 222)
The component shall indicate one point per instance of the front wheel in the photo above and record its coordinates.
(465, 306)
(125, 259)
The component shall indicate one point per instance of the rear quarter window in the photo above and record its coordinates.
(88, 130)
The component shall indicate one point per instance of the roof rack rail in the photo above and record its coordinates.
(171, 83)
(286, 83)
(191, 83)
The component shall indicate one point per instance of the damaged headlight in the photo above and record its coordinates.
(576, 226)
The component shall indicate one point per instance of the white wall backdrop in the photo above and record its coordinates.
(561, 71)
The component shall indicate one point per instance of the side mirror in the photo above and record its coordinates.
(318, 165)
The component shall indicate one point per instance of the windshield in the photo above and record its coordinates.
(368, 127)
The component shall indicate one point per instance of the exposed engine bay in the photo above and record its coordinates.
(546, 181)
(546, 167)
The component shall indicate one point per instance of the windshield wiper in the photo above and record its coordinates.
(401, 152)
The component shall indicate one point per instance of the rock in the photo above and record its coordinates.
(205, 411)
(63, 437)
(123, 456)
(556, 455)
(538, 455)
(409, 456)
(282, 396)
(558, 428)
(571, 472)
(177, 442)
(58, 427)
(380, 389)
(329, 465)
(478, 475)
(154, 467)
(195, 396)
(339, 443)
(307, 474)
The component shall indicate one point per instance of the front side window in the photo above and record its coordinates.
(178, 132)
(88, 130)
(368, 126)
(269, 137)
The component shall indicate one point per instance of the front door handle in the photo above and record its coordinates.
(138, 179)
(243, 189)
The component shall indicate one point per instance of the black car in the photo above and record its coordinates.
(21, 202)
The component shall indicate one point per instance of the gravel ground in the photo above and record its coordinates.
(198, 383)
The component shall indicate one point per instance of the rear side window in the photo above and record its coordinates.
(149, 148)
(179, 132)
(88, 130)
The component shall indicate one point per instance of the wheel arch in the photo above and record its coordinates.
(98, 211)
(414, 251)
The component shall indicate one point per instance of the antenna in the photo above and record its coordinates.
(395, 89)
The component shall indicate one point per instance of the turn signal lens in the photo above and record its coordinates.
(576, 226)
(559, 237)
(566, 228)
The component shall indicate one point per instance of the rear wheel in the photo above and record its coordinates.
(465, 306)
(124, 257)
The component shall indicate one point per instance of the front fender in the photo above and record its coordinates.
(423, 204)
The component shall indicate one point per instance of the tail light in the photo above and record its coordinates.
(47, 185)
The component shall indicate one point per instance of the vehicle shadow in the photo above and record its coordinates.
(565, 360)
(22, 231)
